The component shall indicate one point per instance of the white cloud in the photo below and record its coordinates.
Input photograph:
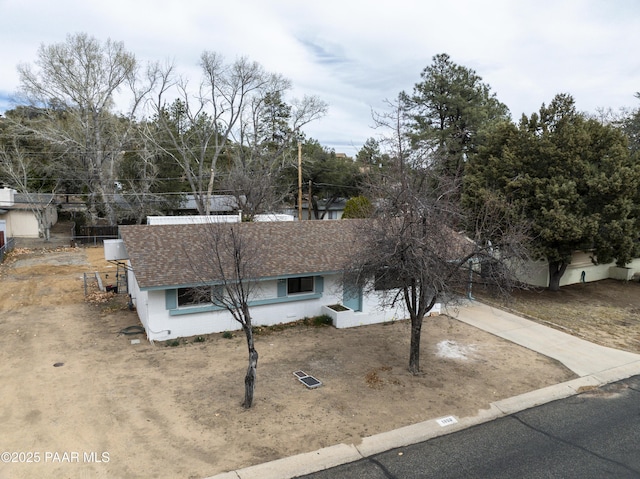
(355, 55)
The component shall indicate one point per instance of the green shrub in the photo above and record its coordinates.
(357, 207)
(322, 320)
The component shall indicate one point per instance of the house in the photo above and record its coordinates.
(298, 271)
(27, 215)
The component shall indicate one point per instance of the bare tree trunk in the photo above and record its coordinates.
(414, 349)
(107, 198)
(556, 270)
(418, 306)
(250, 378)
(209, 191)
(232, 257)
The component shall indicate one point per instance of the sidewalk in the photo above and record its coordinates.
(595, 365)
(582, 357)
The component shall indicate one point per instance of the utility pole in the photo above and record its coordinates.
(299, 181)
(309, 200)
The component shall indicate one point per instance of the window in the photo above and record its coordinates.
(194, 296)
(303, 284)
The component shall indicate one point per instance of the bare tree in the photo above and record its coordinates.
(198, 125)
(227, 261)
(19, 168)
(255, 188)
(420, 247)
(234, 113)
(139, 173)
(266, 148)
(75, 85)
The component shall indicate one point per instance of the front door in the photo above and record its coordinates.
(352, 297)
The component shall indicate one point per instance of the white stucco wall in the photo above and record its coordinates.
(193, 219)
(139, 298)
(373, 313)
(22, 223)
(161, 325)
(538, 272)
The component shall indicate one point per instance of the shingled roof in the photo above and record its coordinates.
(162, 255)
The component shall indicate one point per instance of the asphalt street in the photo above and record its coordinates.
(595, 434)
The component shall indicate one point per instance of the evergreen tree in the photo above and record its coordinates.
(570, 177)
(357, 207)
(449, 109)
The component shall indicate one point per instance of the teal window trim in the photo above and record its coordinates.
(171, 303)
(286, 299)
(205, 308)
(264, 279)
(259, 302)
(171, 299)
(282, 288)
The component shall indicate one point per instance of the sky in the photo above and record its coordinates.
(356, 55)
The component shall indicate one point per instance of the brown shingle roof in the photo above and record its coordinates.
(163, 255)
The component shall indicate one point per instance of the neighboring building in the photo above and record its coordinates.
(193, 219)
(6, 243)
(219, 204)
(580, 270)
(299, 274)
(27, 216)
(3, 233)
(4, 238)
(326, 210)
(204, 219)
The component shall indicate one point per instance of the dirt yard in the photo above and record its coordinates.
(78, 399)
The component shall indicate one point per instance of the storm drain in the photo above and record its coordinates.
(307, 380)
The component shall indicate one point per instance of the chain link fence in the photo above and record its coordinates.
(7, 248)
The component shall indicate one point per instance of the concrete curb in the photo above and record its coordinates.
(545, 395)
(307, 463)
(618, 373)
(298, 465)
(422, 431)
